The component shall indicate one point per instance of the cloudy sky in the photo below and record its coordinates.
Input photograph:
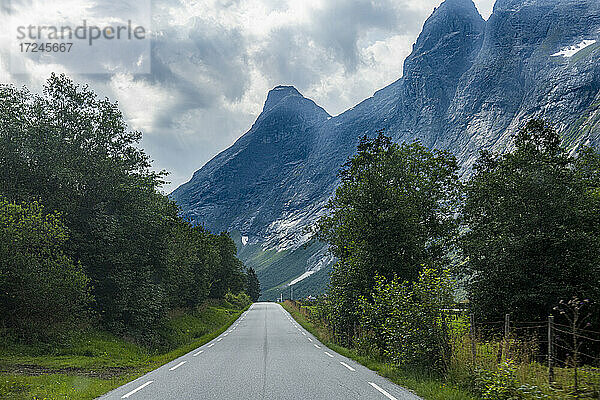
(213, 62)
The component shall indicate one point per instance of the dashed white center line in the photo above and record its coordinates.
(198, 353)
(347, 366)
(211, 345)
(177, 366)
(309, 339)
(219, 339)
(330, 355)
(136, 390)
(303, 333)
(317, 346)
(386, 394)
(225, 334)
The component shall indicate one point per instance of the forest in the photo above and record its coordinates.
(87, 240)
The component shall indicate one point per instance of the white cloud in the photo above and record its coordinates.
(485, 7)
(213, 62)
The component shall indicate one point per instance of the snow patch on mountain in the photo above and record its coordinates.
(570, 51)
(301, 277)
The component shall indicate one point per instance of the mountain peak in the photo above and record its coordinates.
(467, 7)
(277, 94)
(450, 17)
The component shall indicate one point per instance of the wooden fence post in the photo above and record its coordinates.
(550, 349)
(473, 343)
(506, 335)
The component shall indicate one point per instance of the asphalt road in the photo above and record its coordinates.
(265, 354)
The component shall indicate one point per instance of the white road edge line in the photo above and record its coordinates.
(211, 345)
(198, 353)
(303, 333)
(136, 390)
(386, 394)
(309, 339)
(317, 346)
(330, 355)
(347, 366)
(177, 366)
(219, 339)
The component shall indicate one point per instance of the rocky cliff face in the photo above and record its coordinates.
(468, 85)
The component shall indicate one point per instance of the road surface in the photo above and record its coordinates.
(265, 354)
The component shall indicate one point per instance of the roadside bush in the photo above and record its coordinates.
(42, 291)
(411, 320)
(239, 301)
(502, 384)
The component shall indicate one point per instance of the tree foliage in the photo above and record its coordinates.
(41, 289)
(252, 284)
(393, 212)
(73, 153)
(533, 227)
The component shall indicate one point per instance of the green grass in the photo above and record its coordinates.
(94, 363)
(428, 387)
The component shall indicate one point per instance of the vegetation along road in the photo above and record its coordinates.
(265, 354)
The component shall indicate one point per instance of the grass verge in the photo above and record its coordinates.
(96, 362)
(427, 387)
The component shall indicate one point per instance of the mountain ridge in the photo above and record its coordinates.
(468, 85)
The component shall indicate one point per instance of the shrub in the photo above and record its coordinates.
(409, 319)
(42, 291)
(240, 301)
(502, 384)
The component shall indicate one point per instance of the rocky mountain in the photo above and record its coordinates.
(468, 85)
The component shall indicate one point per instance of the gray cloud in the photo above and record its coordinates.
(213, 62)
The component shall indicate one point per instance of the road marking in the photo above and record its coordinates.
(137, 390)
(329, 354)
(177, 366)
(317, 346)
(225, 334)
(309, 339)
(303, 333)
(347, 366)
(211, 345)
(386, 394)
(198, 353)
(219, 339)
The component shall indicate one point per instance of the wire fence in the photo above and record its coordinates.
(550, 353)
(569, 355)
